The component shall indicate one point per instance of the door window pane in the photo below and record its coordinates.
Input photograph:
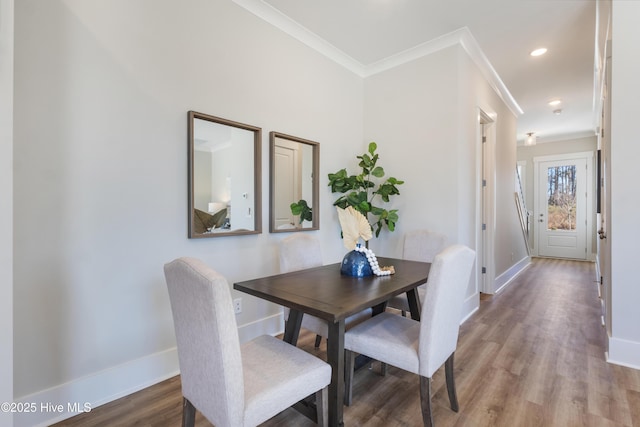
(561, 198)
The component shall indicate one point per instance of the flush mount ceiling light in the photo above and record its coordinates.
(539, 51)
(555, 102)
(557, 112)
(530, 139)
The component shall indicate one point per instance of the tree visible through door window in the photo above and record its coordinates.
(561, 193)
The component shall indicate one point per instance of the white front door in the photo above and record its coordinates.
(561, 214)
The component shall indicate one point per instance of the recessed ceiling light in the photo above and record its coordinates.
(538, 52)
(555, 102)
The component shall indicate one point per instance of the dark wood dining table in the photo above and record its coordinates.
(325, 293)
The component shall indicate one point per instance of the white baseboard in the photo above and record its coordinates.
(272, 325)
(505, 278)
(471, 305)
(624, 353)
(66, 400)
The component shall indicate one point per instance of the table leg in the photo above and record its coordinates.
(292, 328)
(335, 357)
(414, 303)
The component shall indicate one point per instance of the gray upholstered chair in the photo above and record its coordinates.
(419, 347)
(230, 384)
(420, 245)
(300, 251)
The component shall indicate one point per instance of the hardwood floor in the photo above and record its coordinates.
(532, 355)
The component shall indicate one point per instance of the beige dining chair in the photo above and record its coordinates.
(419, 347)
(233, 385)
(419, 245)
(300, 251)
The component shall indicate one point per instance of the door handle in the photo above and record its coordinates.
(602, 234)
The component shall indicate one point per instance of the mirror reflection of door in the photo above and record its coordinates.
(288, 180)
(294, 181)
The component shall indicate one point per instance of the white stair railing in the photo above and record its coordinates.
(523, 213)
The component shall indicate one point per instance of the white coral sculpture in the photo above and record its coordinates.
(354, 226)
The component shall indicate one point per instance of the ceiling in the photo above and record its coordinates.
(368, 32)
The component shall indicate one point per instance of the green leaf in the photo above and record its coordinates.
(372, 147)
(378, 172)
(354, 199)
(341, 203)
(341, 174)
(378, 228)
(363, 207)
(394, 181)
(377, 211)
(296, 209)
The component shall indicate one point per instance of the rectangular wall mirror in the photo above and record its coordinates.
(224, 177)
(294, 164)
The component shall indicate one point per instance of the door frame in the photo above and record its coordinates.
(589, 202)
(486, 201)
(603, 242)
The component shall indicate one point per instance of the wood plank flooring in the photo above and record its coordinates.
(532, 355)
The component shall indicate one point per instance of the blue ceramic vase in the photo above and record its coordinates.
(355, 264)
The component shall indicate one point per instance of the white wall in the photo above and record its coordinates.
(102, 91)
(411, 112)
(6, 207)
(423, 115)
(202, 179)
(509, 249)
(624, 343)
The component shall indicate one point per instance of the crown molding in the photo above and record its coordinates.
(276, 18)
(471, 46)
(462, 36)
(413, 53)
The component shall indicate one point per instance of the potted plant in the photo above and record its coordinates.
(363, 191)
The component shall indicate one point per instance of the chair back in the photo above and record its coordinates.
(299, 251)
(442, 306)
(207, 340)
(423, 245)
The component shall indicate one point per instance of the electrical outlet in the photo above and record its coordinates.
(237, 305)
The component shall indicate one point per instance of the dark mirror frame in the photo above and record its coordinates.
(257, 175)
(315, 169)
